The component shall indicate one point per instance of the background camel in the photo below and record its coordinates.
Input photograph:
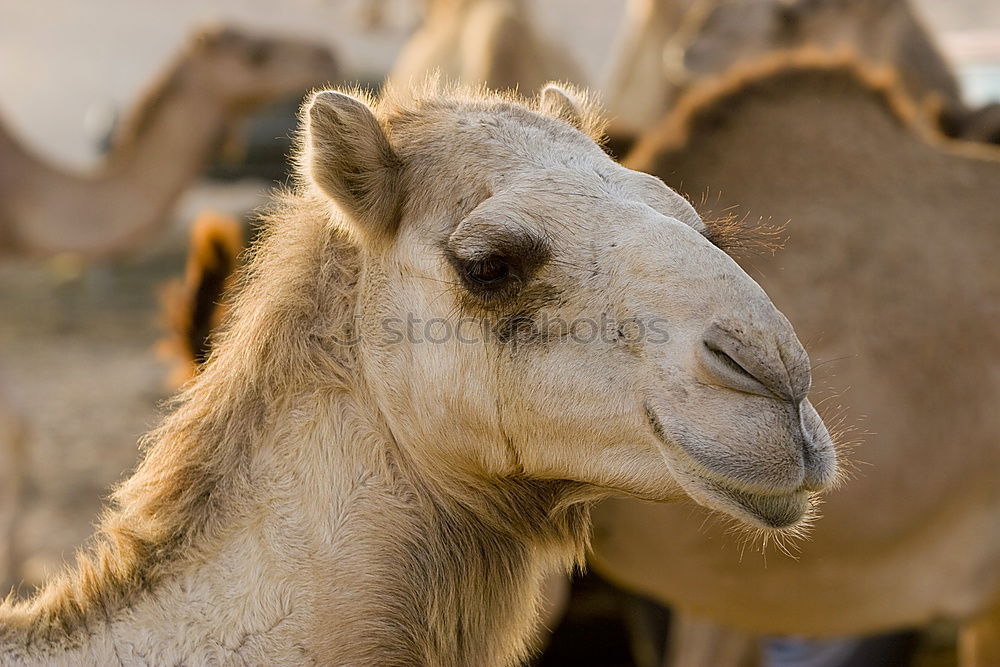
(193, 305)
(491, 42)
(889, 273)
(321, 491)
(160, 151)
(667, 45)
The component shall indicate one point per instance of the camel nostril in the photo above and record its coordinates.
(730, 373)
(729, 363)
(755, 361)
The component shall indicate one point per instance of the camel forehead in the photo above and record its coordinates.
(509, 163)
(495, 136)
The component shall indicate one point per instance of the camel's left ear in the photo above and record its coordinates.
(350, 159)
(559, 102)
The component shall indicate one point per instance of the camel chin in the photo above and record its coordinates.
(750, 509)
(754, 510)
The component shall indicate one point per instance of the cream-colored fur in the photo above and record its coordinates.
(327, 491)
(163, 146)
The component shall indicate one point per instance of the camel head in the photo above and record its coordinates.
(529, 308)
(244, 69)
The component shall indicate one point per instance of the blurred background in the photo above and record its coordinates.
(132, 120)
(67, 67)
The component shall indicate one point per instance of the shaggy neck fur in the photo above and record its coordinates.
(275, 519)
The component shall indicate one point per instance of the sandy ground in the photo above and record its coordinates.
(76, 355)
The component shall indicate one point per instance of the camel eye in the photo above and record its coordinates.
(494, 269)
(490, 273)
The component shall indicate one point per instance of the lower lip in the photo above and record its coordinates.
(774, 511)
(777, 512)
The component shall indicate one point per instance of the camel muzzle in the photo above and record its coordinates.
(741, 358)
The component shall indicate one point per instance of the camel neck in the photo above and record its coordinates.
(362, 566)
(49, 210)
(19, 168)
(181, 127)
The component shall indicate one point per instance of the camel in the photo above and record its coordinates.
(345, 482)
(668, 45)
(193, 306)
(160, 150)
(889, 272)
(476, 42)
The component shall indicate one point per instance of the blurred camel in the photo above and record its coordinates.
(492, 42)
(193, 306)
(890, 274)
(667, 45)
(162, 147)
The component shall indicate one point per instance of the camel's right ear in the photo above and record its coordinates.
(350, 159)
(555, 100)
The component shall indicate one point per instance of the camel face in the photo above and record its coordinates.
(244, 69)
(531, 308)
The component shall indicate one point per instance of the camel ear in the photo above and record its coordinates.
(350, 159)
(557, 101)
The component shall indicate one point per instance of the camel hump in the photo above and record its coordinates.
(808, 71)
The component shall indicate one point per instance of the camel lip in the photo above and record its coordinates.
(778, 510)
(773, 511)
